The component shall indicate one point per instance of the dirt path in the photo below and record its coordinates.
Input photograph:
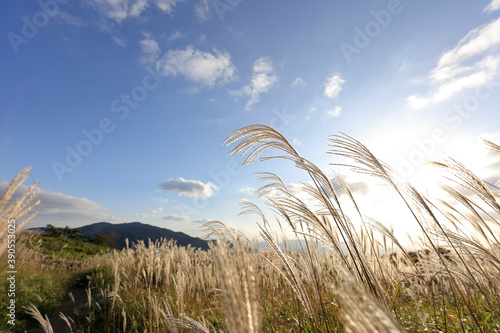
(67, 308)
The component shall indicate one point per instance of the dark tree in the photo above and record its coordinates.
(53, 231)
(113, 239)
(101, 240)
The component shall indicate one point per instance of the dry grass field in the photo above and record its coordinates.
(343, 277)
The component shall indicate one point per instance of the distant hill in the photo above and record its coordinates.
(136, 231)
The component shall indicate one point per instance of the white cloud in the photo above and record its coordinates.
(298, 191)
(310, 113)
(475, 42)
(205, 68)
(357, 185)
(202, 221)
(71, 20)
(333, 86)
(122, 42)
(417, 102)
(150, 51)
(155, 213)
(298, 82)
(175, 217)
(248, 190)
(119, 10)
(176, 35)
(166, 5)
(189, 188)
(63, 210)
(484, 72)
(263, 78)
(202, 10)
(335, 112)
(473, 62)
(297, 142)
(494, 5)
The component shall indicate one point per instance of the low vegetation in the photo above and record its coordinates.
(46, 270)
(350, 273)
(69, 244)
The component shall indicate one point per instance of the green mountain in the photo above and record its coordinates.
(136, 231)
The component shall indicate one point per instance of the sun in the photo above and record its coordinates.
(410, 149)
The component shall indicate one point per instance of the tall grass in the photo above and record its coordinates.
(350, 272)
(16, 209)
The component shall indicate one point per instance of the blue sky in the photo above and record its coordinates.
(121, 106)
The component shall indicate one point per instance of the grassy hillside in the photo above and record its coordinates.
(66, 247)
(47, 268)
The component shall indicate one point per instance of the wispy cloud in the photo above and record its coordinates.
(247, 190)
(119, 10)
(298, 191)
(310, 113)
(263, 78)
(176, 35)
(155, 213)
(175, 217)
(150, 51)
(473, 62)
(335, 112)
(202, 10)
(204, 68)
(71, 20)
(166, 5)
(122, 42)
(61, 209)
(202, 221)
(494, 5)
(189, 188)
(359, 187)
(298, 82)
(333, 86)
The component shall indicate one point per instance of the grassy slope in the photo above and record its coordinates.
(64, 247)
(47, 267)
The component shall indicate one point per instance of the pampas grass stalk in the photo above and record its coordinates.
(16, 210)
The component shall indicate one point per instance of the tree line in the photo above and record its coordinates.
(109, 240)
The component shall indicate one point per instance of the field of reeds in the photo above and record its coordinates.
(347, 274)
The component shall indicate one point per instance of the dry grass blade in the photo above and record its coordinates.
(493, 146)
(361, 312)
(464, 177)
(16, 209)
(33, 311)
(257, 138)
(263, 136)
(187, 323)
(67, 321)
(367, 163)
(238, 279)
(219, 230)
